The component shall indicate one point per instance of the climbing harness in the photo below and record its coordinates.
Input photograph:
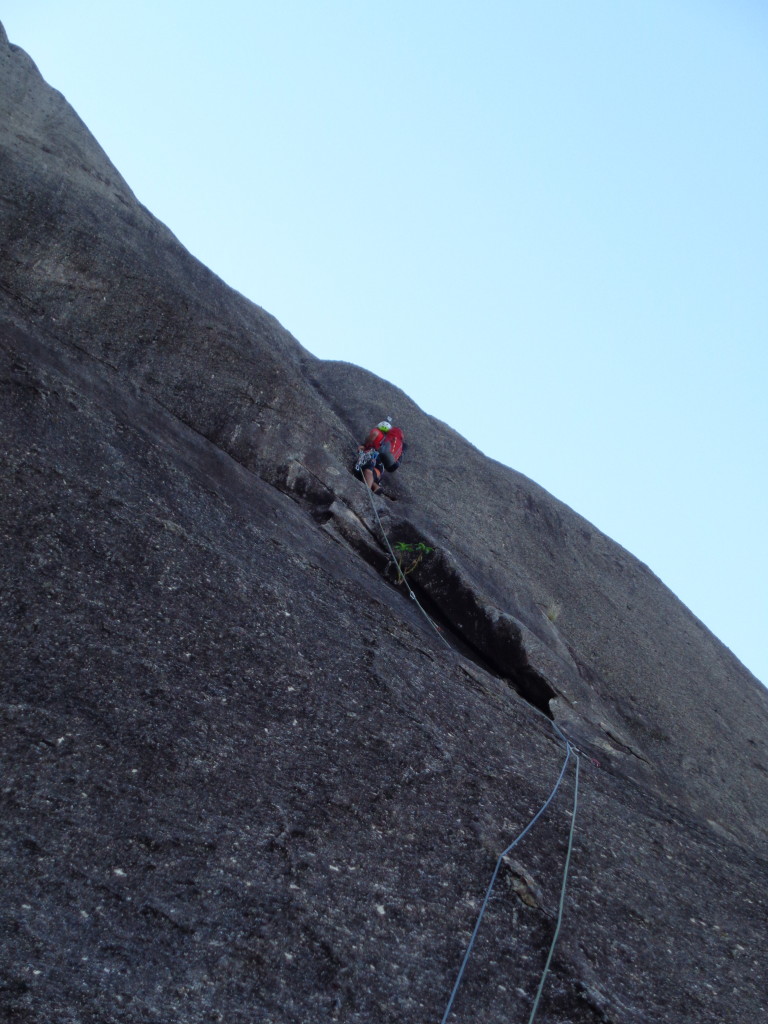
(366, 459)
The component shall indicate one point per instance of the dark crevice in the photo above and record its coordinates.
(494, 636)
(321, 516)
(527, 683)
(475, 635)
(470, 623)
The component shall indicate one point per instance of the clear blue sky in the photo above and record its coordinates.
(547, 222)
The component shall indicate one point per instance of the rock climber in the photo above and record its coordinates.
(382, 449)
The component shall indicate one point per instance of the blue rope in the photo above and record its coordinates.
(569, 750)
(563, 888)
(489, 890)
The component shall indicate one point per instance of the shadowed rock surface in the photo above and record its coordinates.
(243, 778)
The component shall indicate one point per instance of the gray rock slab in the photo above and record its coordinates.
(243, 777)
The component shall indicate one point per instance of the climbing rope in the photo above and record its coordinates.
(563, 887)
(470, 946)
(400, 572)
(570, 751)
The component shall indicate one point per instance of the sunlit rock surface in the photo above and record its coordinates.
(244, 779)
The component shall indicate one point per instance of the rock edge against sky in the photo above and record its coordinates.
(244, 779)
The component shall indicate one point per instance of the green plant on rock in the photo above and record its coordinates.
(552, 611)
(409, 557)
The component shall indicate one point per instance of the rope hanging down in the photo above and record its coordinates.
(568, 754)
(401, 573)
(563, 887)
(570, 751)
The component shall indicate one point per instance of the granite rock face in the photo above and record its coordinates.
(244, 778)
